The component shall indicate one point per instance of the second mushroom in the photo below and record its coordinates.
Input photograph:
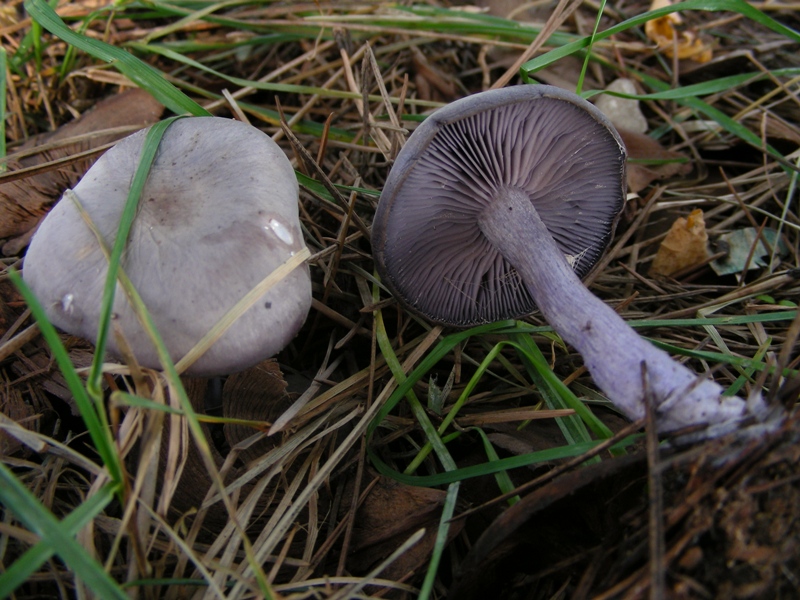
(500, 203)
(218, 214)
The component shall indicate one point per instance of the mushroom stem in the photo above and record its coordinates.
(612, 351)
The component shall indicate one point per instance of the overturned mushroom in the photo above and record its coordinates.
(219, 213)
(504, 199)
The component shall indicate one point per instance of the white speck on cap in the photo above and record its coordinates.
(281, 231)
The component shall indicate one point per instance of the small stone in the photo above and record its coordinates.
(624, 113)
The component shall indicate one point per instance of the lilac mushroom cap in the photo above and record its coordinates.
(219, 212)
(503, 200)
(540, 141)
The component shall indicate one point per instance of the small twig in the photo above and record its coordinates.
(655, 495)
(560, 14)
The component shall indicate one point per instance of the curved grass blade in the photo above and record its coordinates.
(56, 535)
(492, 467)
(149, 149)
(557, 395)
(706, 88)
(435, 441)
(142, 74)
(34, 557)
(176, 386)
(738, 6)
(93, 415)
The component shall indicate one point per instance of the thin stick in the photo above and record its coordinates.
(655, 495)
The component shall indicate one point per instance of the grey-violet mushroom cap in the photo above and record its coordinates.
(219, 212)
(551, 145)
(506, 198)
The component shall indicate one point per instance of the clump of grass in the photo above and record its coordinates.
(339, 84)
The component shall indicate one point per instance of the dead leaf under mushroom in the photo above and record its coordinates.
(649, 161)
(390, 513)
(24, 201)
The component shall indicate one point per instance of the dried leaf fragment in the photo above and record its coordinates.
(23, 202)
(649, 161)
(672, 39)
(747, 251)
(686, 245)
(390, 513)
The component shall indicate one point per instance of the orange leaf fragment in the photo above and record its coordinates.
(672, 39)
(686, 245)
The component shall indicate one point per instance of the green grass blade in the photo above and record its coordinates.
(34, 557)
(416, 406)
(748, 372)
(96, 423)
(56, 536)
(766, 317)
(142, 74)
(457, 22)
(592, 37)
(492, 467)
(434, 356)
(503, 479)
(149, 149)
(726, 122)
(258, 85)
(720, 357)
(713, 86)
(557, 395)
(453, 412)
(738, 6)
(448, 510)
(438, 445)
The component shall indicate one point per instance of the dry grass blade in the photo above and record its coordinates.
(272, 491)
(247, 301)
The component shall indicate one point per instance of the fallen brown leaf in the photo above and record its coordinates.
(686, 245)
(657, 162)
(256, 394)
(24, 201)
(391, 513)
(672, 39)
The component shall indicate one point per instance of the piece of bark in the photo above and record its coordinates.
(24, 201)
